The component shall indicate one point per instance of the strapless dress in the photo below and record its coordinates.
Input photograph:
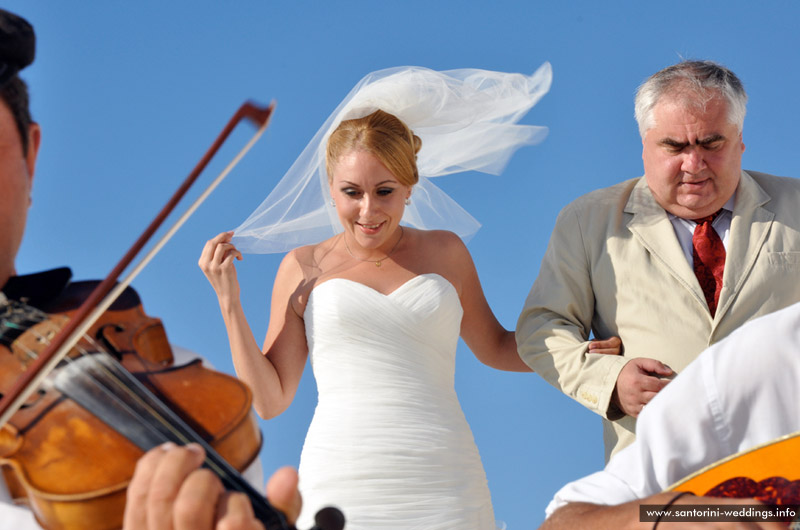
(388, 443)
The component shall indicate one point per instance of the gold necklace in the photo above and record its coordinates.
(377, 262)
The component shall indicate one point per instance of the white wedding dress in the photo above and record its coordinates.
(389, 444)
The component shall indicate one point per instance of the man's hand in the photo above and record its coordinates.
(638, 383)
(170, 491)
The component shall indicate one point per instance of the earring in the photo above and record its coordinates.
(408, 201)
(333, 203)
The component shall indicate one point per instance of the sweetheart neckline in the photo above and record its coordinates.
(385, 295)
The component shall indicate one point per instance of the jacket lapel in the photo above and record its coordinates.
(653, 229)
(749, 228)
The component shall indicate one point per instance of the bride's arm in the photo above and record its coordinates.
(491, 343)
(274, 372)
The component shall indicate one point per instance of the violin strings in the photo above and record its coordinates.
(45, 340)
(129, 389)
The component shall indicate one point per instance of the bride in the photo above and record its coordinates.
(378, 307)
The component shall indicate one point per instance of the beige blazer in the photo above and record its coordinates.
(614, 267)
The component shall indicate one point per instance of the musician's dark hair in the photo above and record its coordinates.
(15, 95)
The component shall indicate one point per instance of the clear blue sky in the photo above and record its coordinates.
(130, 94)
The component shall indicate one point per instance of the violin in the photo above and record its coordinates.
(88, 384)
(71, 450)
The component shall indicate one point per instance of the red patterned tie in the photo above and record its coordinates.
(709, 260)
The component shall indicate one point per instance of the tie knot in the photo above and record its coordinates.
(708, 218)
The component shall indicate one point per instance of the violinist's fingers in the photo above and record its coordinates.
(195, 507)
(234, 512)
(283, 494)
(172, 469)
(136, 497)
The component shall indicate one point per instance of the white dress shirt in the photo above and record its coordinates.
(684, 228)
(739, 393)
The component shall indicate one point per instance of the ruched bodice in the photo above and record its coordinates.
(389, 443)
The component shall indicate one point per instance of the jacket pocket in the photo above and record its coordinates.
(784, 259)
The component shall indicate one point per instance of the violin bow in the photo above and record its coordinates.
(109, 290)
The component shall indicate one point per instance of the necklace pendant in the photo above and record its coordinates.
(378, 263)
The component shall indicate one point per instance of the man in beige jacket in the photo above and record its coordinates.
(627, 261)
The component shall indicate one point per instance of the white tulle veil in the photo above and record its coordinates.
(466, 119)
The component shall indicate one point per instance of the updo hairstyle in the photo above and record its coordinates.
(384, 136)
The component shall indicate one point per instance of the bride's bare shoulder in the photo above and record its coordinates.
(310, 261)
(301, 270)
(439, 241)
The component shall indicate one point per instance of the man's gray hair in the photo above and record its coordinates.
(700, 82)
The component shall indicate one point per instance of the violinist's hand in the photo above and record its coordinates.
(216, 261)
(610, 346)
(169, 491)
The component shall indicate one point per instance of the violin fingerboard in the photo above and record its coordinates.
(105, 388)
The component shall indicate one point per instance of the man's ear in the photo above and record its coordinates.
(34, 140)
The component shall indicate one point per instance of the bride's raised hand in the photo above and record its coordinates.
(216, 262)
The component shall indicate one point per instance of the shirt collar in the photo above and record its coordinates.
(726, 208)
(38, 288)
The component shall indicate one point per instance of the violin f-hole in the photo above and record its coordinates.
(107, 345)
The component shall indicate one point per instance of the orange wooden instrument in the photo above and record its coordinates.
(73, 468)
(769, 473)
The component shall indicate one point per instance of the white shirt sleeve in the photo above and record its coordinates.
(13, 516)
(741, 392)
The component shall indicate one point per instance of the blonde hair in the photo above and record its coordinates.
(384, 136)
